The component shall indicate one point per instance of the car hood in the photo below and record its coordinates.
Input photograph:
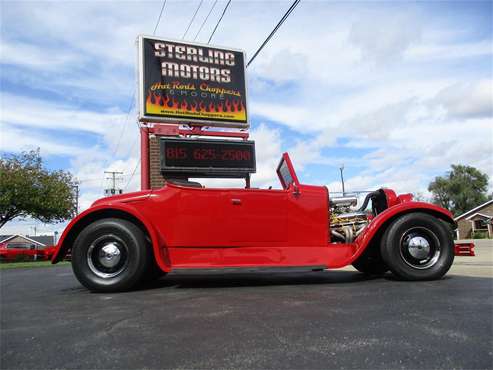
(124, 198)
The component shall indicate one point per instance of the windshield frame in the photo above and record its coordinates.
(285, 164)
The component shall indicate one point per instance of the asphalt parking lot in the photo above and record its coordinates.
(308, 320)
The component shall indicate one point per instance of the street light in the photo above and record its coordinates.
(342, 179)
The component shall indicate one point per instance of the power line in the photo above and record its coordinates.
(219, 21)
(193, 18)
(205, 20)
(159, 18)
(89, 180)
(133, 174)
(133, 97)
(285, 16)
(132, 102)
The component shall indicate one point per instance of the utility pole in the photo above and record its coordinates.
(342, 179)
(113, 190)
(76, 189)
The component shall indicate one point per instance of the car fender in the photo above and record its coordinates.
(382, 220)
(157, 240)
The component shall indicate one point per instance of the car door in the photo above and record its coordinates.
(200, 218)
(257, 217)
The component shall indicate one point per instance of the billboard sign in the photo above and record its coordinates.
(190, 83)
(207, 158)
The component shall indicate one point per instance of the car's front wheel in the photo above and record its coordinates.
(418, 246)
(110, 255)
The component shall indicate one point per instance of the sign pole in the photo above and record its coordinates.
(145, 183)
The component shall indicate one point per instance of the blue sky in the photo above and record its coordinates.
(395, 91)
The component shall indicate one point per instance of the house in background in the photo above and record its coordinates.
(479, 219)
(26, 248)
(26, 242)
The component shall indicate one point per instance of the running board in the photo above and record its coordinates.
(229, 270)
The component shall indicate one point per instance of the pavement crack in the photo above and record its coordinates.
(111, 327)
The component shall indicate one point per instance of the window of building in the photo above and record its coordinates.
(480, 225)
(20, 246)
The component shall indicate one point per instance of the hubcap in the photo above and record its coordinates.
(107, 256)
(420, 248)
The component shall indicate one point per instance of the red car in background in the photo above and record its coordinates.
(24, 251)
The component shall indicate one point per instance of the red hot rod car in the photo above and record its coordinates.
(121, 240)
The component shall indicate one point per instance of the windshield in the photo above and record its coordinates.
(286, 178)
(286, 172)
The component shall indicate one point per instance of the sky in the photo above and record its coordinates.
(395, 92)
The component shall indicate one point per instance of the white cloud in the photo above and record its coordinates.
(16, 140)
(31, 56)
(383, 38)
(428, 52)
(268, 152)
(468, 99)
(44, 114)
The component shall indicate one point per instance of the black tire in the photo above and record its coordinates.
(370, 262)
(154, 272)
(125, 247)
(418, 246)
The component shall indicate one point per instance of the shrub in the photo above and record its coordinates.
(479, 235)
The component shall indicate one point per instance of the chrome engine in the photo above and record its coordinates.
(346, 222)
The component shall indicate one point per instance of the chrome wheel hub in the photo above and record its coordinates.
(420, 248)
(107, 256)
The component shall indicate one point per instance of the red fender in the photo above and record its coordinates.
(351, 252)
(157, 240)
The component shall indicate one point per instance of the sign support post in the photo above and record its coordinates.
(145, 179)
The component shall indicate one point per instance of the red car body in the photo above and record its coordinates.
(203, 228)
(9, 254)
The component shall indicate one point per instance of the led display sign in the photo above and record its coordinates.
(207, 158)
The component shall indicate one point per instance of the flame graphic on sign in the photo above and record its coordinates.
(229, 109)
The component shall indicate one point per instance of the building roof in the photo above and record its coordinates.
(43, 240)
(474, 210)
(4, 237)
(488, 217)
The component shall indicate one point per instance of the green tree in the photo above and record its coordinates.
(27, 189)
(461, 189)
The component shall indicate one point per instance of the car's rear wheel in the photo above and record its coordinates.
(418, 246)
(110, 255)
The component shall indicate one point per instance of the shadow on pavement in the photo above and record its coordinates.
(215, 280)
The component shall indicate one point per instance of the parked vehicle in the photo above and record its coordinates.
(124, 239)
(11, 252)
